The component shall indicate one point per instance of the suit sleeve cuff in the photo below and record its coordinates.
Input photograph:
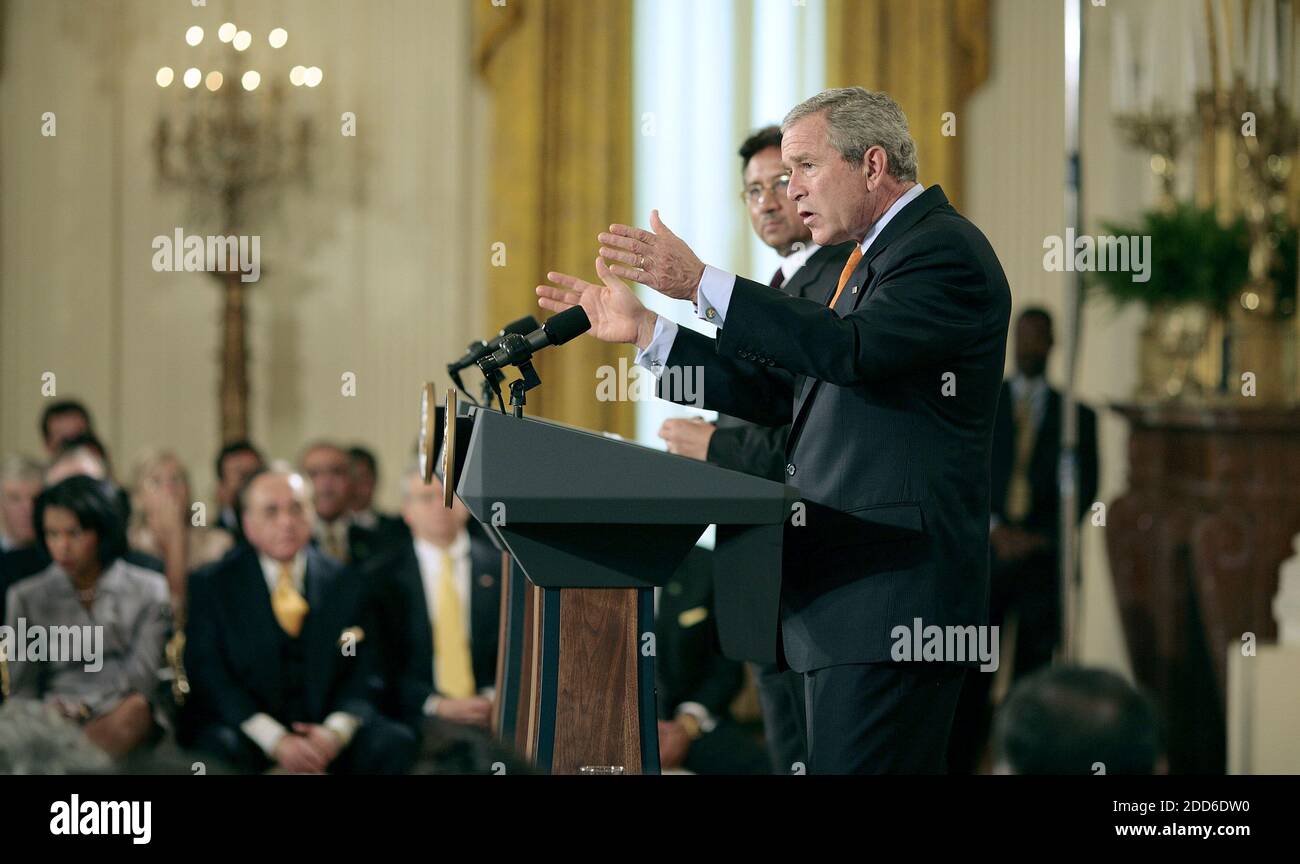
(714, 296)
(655, 356)
(707, 721)
(265, 731)
(343, 725)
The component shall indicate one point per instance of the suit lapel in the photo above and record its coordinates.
(854, 292)
(807, 275)
(318, 644)
(251, 604)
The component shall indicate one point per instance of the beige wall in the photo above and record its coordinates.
(366, 271)
(1015, 140)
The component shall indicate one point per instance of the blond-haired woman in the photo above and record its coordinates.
(162, 523)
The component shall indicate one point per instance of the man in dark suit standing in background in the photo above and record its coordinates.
(1025, 523)
(436, 604)
(891, 390)
(276, 653)
(810, 271)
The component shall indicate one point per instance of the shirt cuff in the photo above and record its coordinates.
(655, 355)
(714, 296)
(707, 721)
(431, 705)
(343, 725)
(265, 731)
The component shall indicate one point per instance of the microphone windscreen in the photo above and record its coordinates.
(523, 326)
(568, 324)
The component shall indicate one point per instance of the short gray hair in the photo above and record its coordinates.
(19, 467)
(856, 121)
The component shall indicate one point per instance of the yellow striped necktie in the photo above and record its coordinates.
(289, 606)
(452, 664)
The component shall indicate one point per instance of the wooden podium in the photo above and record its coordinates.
(591, 524)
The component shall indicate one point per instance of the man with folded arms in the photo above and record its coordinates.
(891, 389)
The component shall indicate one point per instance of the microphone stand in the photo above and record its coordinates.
(520, 386)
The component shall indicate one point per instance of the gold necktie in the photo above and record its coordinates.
(289, 606)
(336, 547)
(849, 266)
(1017, 504)
(452, 664)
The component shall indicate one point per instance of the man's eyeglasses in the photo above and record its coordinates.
(754, 192)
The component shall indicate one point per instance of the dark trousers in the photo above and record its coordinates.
(380, 746)
(785, 717)
(881, 718)
(1029, 588)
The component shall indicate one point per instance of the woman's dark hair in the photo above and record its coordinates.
(98, 508)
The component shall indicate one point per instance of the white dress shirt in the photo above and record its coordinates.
(1035, 389)
(262, 728)
(791, 263)
(714, 294)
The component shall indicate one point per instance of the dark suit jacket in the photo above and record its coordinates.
(1044, 488)
(743, 446)
(399, 613)
(689, 666)
(232, 649)
(366, 543)
(891, 399)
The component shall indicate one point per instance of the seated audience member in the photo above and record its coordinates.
(336, 533)
(80, 457)
(36, 739)
(454, 748)
(696, 684)
(123, 610)
(1071, 720)
(275, 652)
(436, 604)
(235, 464)
(365, 476)
(63, 421)
(161, 523)
(20, 483)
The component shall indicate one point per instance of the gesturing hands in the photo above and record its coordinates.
(615, 312)
(658, 259)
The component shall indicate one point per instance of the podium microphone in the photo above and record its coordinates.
(516, 350)
(479, 350)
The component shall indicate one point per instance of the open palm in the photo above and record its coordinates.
(615, 311)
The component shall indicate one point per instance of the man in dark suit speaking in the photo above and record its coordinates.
(891, 391)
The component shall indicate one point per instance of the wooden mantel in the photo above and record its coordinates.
(1194, 546)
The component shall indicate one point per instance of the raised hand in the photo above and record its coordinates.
(615, 312)
(658, 259)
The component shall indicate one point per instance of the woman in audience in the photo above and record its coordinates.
(92, 626)
(162, 522)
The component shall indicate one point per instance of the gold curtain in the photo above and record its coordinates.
(559, 75)
(930, 55)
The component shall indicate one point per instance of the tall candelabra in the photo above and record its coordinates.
(1239, 97)
(232, 144)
